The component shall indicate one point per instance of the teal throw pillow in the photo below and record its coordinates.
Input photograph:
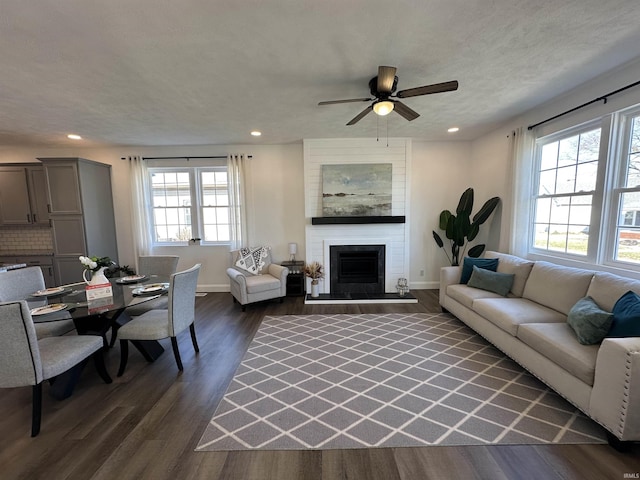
(626, 316)
(468, 264)
(495, 282)
(590, 323)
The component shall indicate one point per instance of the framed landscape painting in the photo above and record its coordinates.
(356, 190)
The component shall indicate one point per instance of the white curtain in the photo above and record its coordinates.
(236, 165)
(522, 174)
(139, 207)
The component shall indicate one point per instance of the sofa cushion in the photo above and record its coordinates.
(467, 295)
(557, 287)
(606, 289)
(495, 282)
(519, 267)
(468, 263)
(262, 283)
(558, 343)
(509, 313)
(590, 323)
(626, 316)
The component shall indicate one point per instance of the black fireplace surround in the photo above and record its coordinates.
(357, 269)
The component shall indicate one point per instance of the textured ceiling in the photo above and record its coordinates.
(197, 72)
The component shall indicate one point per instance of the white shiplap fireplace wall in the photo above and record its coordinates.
(395, 236)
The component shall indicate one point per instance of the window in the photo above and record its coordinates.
(567, 173)
(626, 193)
(189, 203)
(586, 202)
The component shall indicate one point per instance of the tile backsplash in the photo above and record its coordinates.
(24, 239)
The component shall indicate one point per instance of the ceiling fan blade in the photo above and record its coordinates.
(349, 100)
(405, 111)
(360, 116)
(386, 77)
(428, 89)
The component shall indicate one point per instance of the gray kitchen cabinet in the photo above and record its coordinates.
(81, 213)
(23, 195)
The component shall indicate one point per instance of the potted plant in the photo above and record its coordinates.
(461, 228)
(314, 271)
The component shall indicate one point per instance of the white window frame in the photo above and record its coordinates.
(596, 194)
(616, 187)
(196, 209)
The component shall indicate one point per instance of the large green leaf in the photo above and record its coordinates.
(466, 202)
(476, 250)
(437, 238)
(463, 223)
(486, 210)
(451, 228)
(444, 219)
(473, 231)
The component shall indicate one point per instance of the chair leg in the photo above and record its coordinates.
(36, 415)
(124, 356)
(192, 329)
(176, 352)
(98, 359)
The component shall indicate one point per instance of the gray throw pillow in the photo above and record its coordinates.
(589, 321)
(495, 282)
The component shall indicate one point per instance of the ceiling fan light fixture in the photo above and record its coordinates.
(383, 107)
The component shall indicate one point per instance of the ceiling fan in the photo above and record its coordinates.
(382, 88)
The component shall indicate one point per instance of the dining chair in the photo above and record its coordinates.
(159, 324)
(18, 285)
(160, 265)
(26, 360)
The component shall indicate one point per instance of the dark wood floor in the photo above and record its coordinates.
(148, 422)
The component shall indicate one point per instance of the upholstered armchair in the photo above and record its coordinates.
(266, 281)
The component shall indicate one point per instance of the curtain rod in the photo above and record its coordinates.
(603, 98)
(189, 158)
(174, 158)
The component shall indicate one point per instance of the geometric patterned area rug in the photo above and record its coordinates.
(384, 380)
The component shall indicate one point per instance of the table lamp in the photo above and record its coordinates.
(293, 249)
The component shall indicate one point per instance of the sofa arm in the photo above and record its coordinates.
(280, 273)
(238, 277)
(615, 399)
(448, 276)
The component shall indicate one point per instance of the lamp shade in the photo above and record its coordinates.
(293, 248)
(384, 107)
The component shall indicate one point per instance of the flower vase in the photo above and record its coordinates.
(315, 289)
(97, 277)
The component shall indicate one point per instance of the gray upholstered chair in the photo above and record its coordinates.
(246, 287)
(25, 360)
(18, 285)
(159, 324)
(160, 265)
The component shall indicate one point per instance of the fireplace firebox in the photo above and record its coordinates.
(357, 269)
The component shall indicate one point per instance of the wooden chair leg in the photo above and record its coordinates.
(176, 352)
(98, 359)
(192, 329)
(124, 356)
(36, 415)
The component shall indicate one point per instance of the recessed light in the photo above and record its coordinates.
(73, 136)
(453, 129)
(256, 133)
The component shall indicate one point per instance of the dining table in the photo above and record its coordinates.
(95, 310)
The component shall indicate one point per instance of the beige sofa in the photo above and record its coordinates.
(530, 326)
